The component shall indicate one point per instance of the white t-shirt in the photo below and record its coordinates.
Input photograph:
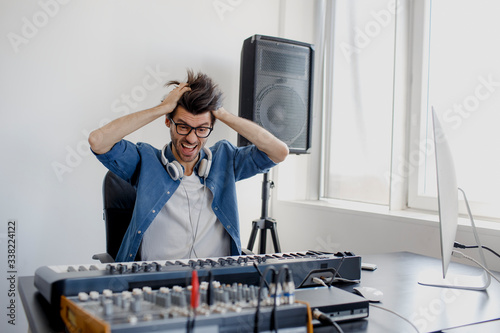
(186, 227)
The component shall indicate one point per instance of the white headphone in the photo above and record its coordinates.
(176, 171)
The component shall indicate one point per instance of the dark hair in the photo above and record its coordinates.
(205, 95)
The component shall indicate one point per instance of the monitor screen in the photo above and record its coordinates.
(447, 193)
(447, 190)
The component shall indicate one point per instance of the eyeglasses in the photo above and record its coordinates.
(184, 129)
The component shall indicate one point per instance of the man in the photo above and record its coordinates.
(186, 195)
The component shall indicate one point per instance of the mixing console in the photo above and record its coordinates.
(211, 307)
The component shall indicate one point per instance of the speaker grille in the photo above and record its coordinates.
(279, 98)
(281, 111)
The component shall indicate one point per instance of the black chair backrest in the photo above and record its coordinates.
(118, 202)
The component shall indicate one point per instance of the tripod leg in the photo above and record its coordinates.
(274, 235)
(263, 241)
(253, 235)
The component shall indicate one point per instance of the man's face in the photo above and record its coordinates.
(187, 147)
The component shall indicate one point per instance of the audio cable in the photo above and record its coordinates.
(459, 254)
(462, 246)
(310, 327)
(195, 300)
(396, 314)
(259, 296)
(326, 320)
(260, 273)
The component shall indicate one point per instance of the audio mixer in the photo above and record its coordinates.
(232, 309)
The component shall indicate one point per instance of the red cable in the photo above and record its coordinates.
(195, 290)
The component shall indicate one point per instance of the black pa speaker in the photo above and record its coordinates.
(276, 88)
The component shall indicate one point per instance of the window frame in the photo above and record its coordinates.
(416, 148)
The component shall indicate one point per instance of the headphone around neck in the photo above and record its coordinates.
(176, 171)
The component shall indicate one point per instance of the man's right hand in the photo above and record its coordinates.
(169, 102)
(103, 139)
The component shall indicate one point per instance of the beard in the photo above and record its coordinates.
(186, 151)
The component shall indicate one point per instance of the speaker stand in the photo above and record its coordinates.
(264, 223)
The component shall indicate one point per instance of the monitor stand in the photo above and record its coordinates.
(460, 281)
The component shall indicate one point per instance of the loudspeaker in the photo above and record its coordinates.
(276, 88)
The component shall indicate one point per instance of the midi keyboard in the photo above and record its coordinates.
(55, 281)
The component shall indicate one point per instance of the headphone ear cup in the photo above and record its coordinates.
(175, 170)
(205, 164)
(207, 171)
(202, 169)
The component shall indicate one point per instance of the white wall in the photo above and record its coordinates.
(67, 67)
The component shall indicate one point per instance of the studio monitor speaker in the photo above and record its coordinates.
(276, 87)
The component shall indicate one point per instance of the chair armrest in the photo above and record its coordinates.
(247, 252)
(104, 258)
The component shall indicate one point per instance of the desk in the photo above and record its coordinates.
(431, 309)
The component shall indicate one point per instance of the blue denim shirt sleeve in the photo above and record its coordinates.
(261, 162)
(122, 159)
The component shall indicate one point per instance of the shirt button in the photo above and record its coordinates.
(168, 192)
(228, 226)
(154, 211)
(216, 208)
(139, 232)
(130, 255)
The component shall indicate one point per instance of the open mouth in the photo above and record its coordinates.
(188, 149)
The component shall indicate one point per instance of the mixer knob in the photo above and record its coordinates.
(121, 268)
(83, 297)
(108, 307)
(137, 294)
(94, 295)
(180, 263)
(242, 260)
(163, 299)
(211, 262)
(107, 293)
(117, 300)
(136, 305)
(110, 268)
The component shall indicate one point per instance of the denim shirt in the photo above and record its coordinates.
(140, 164)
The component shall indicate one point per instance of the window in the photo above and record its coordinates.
(461, 80)
(452, 66)
(359, 94)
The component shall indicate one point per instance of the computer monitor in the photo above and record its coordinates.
(448, 219)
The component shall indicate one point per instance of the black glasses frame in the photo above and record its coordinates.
(210, 129)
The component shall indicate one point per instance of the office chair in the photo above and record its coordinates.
(118, 206)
